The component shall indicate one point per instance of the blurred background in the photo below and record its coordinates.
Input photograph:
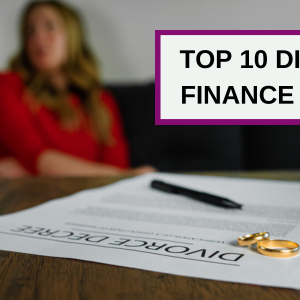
(121, 34)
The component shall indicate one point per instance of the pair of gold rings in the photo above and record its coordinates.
(266, 246)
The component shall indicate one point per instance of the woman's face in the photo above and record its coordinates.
(46, 39)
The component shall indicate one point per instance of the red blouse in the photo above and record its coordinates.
(25, 135)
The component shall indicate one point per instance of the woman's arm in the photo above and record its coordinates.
(11, 168)
(19, 135)
(56, 163)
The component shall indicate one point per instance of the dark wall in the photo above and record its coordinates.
(195, 148)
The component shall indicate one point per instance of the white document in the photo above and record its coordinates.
(129, 224)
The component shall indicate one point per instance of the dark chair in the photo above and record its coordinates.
(273, 147)
(195, 148)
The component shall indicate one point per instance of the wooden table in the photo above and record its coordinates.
(24, 276)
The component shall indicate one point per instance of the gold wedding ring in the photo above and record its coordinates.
(278, 248)
(253, 238)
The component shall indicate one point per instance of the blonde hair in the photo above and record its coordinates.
(80, 70)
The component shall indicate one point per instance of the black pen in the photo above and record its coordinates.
(204, 197)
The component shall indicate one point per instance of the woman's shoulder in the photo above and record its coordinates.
(11, 80)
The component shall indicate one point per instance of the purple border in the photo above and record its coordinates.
(159, 121)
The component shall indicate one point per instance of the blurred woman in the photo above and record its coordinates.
(55, 117)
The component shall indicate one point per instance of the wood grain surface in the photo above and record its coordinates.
(24, 276)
